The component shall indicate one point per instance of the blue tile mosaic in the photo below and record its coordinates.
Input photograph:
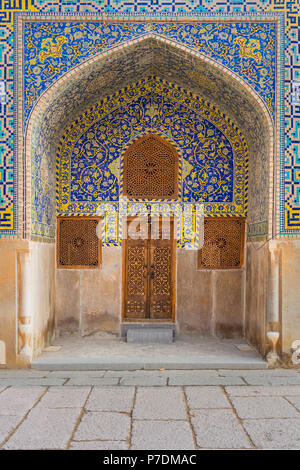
(289, 207)
(214, 161)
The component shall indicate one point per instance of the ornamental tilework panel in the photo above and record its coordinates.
(42, 186)
(101, 76)
(53, 48)
(214, 161)
(6, 132)
(289, 9)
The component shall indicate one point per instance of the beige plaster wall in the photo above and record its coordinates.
(224, 303)
(26, 297)
(42, 294)
(273, 307)
(88, 300)
(290, 292)
(8, 299)
(256, 294)
(209, 302)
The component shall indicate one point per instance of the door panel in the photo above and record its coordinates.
(148, 289)
(136, 286)
(160, 279)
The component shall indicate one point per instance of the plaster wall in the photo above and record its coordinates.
(223, 303)
(290, 292)
(8, 299)
(273, 307)
(90, 300)
(256, 294)
(87, 300)
(42, 293)
(26, 298)
(209, 301)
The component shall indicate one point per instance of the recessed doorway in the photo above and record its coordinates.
(148, 261)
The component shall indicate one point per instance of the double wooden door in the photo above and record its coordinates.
(149, 274)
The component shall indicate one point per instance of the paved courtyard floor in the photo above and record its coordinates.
(167, 409)
(108, 351)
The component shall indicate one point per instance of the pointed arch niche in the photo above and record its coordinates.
(100, 79)
(79, 89)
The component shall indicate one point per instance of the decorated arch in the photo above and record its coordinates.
(214, 154)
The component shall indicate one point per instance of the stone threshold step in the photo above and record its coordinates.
(150, 335)
(146, 326)
(148, 364)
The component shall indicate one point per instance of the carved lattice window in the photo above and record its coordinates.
(78, 245)
(223, 243)
(151, 169)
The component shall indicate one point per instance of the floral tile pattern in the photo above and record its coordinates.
(214, 153)
(289, 180)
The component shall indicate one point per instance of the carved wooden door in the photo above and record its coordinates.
(160, 302)
(149, 284)
(136, 282)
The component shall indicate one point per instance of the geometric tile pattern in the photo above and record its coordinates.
(213, 152)
(125, 67)
(289, 207)
(6, 131)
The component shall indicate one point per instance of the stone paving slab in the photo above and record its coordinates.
(63, 397)
(192, 373)
(260, 373)
(143, 377)
(66, 374)
(7, 425)
(111, 399)
(34, 381)
(295, 401)
(44, 428)
(100, 416)
(16, 401)
(96, 425)
(136, 373)
(263, 407)
(219, 429)
(159, 403)
(192, 380)
(274, 433)
(162, 435)
(264, 391)
(99, 445)
(85, 381)
(273, 380)
(27, 373)
(206, 397)
(144, 381)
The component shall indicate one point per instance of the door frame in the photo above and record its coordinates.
(173, 277)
